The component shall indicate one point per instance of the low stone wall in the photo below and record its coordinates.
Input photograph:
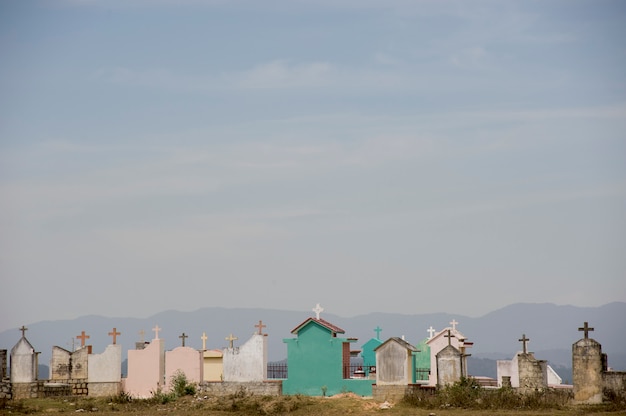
(5, 390)
(54, 389)
(26, 390)
(105, 389)
(394, 393)
(78, 386)
(255, 388)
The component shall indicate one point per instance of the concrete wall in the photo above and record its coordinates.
(187, 360)
(257, 388)
(449, 368)
(508, 368)
(587, 368)
(104, 389)
(146, 370)
(392, 393)
(105, 367)
(247, 362)
(614, 384)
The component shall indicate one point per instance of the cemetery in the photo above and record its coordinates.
(320, 362)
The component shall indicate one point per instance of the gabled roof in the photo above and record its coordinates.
(457, 334)
(399, 341)
(332, 328)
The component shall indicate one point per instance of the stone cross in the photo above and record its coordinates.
(586, 329)
(378, 330)
(449, 335)
(230, 339)
(23, 329)
(454, 323)
(82, 337)
(114, 334)
(203, 338)
(156, 330)
(260, 326)
(318, 309)
(183, 336)
(431, 331)
(142, 334)
(524, 340)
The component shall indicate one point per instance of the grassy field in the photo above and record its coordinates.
(262, 405)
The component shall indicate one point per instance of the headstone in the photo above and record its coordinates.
(247, 362)
(23, 361)
(449, 367)
(146, 369)
(213, 365)
(184, 360)
(448, 337)
(587, 368)
(105, 371)
(394, 362)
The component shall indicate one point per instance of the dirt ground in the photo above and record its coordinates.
(340, 405)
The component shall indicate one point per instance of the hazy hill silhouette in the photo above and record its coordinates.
(552, 330)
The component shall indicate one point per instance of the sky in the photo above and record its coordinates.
(371, 156)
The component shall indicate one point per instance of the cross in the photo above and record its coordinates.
(114, 334)
(454, 323)
(430, 331)
(203, 338)
(260, 326)
(317, 309)
(82, 337)
(378, 330)
(23, 329)
(586, 329)
(231, 338)
(449, 336)
(524, 340)
(156, 330)
(142, 333)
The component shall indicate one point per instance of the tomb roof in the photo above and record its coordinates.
(400, 341)
(333, 328)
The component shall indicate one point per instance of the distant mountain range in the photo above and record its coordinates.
(552, 330)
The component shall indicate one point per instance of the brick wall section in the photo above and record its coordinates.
(255, 388)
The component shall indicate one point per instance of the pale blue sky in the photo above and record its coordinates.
(393, 156)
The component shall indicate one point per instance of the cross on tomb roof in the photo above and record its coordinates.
(23, 329)
(449, 335)
(183, 336)
(454, 323)
(203, 338)
(142, 333)
(430, 331)
(82, 337)
(114, 334)
(317, 309)
(230, 339)
(524, 341)
(260, 326)
(156, 330)
(378, 330)
(586, 329)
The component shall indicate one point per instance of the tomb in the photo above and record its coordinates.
(212, 362)
(104, 371)
(247, 362)
(593, 382)
(184, 360)
(524, 371)
(449, 363)
(368, 354)
(23, 364)
(319, 361)
(452, 337)
(146, 369)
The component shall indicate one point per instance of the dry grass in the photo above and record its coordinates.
(341, 405)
